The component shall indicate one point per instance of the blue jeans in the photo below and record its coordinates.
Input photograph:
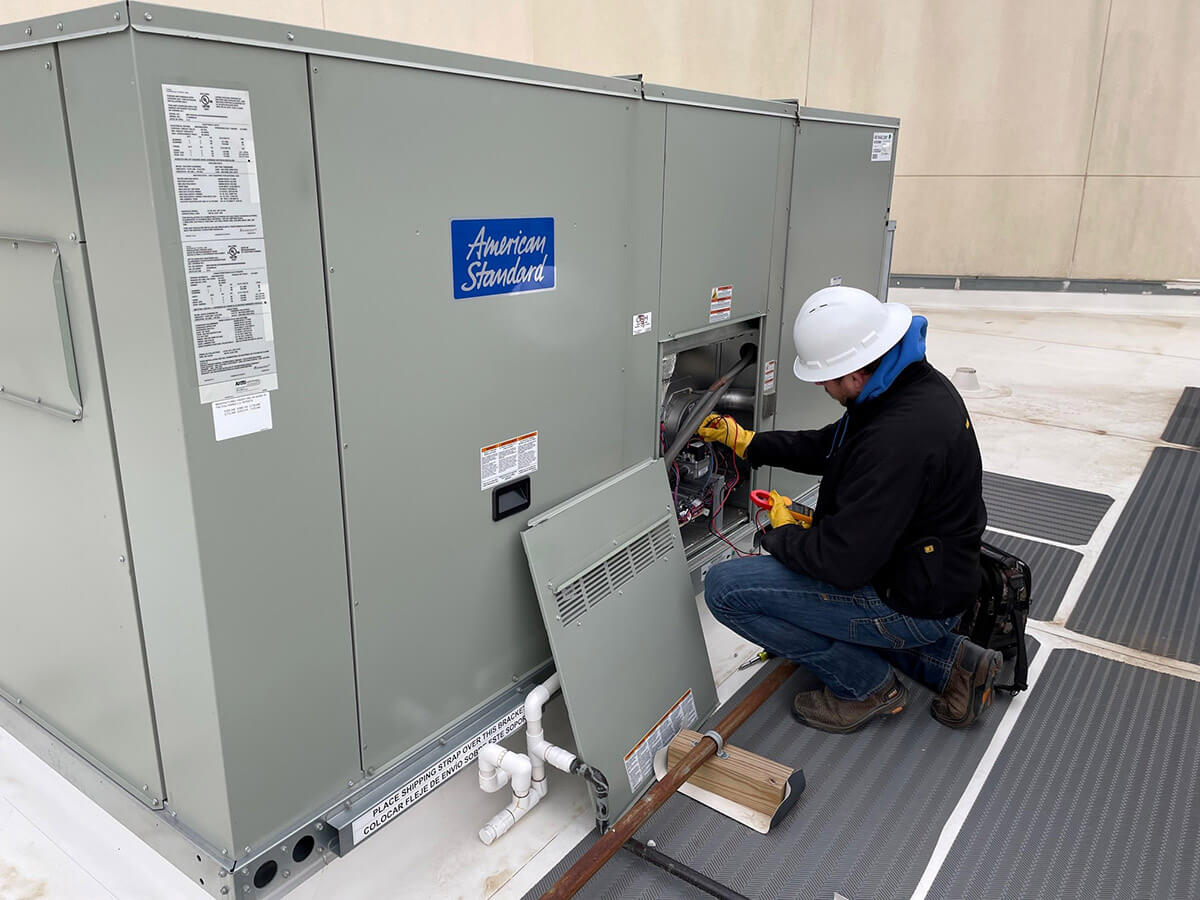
(848, 639)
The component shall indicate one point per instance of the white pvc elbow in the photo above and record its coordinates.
(498, 767)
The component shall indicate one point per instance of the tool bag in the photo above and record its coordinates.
(997, 619)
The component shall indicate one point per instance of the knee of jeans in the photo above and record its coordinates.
(717, 584)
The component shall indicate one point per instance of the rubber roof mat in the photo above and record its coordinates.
(1094, 794)
(1184, 426)
(1145, 590)
(1043, 510)
(1052, 569)
(865, 826)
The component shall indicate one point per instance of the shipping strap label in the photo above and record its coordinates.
(881, 146)
(639, 762)
(507, 460)
(215, 171)
(420, 785)
(501, 256)
(720, 304)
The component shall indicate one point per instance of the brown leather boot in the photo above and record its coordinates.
(822, 710)
(969, 691)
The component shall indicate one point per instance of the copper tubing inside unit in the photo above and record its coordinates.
(612, 840)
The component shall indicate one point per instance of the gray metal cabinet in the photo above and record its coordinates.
(237, 545)
(839, 210)
(70, 611)
(426, 381)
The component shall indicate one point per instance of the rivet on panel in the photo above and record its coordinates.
(286, 873)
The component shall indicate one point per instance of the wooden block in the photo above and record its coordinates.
(744, 777)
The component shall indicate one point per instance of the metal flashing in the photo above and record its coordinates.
(838, 117)
(66, 26)
(318, 42)
(661, 93)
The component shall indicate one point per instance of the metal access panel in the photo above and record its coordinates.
(67, 600)
(727, 174)
(237, 544)
(618, 604)
(840, 196)
(429, 383)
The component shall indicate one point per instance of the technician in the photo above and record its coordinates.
(892, 558)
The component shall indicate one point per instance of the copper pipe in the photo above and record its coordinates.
(610, 842)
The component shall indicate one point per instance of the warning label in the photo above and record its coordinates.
(720, 304)
(507, 460)
(639, 762)
(221, 235)
(420, 785)
(881, 146)
(769, 377)
(642, 322)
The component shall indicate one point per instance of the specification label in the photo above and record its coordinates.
(639, 762)
(220, 229)
(881, 146)
(507, 460)
(420, 785)
(720, 304)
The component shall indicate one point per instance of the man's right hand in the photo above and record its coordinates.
(724, 430)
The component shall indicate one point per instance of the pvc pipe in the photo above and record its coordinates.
(498, 766)
(513, 813)
(527, 773)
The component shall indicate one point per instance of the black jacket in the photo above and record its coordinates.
(901, 500)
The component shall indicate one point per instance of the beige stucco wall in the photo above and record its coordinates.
(1039, 139)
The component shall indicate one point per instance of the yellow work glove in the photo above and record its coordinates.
(724, 430)
(781, 510)
(783, 514)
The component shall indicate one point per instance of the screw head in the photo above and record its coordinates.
(225, 890)
(28, 31)
(320, 826)
(59, 26)
(286, 873)
(72, 237)
(290, 36)
(247, 849)
(121, 559)
(116, 17)
(145, 787)
(148, 17)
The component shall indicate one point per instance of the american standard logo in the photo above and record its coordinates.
(502, 256)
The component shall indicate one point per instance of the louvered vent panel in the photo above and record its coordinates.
(612, 573)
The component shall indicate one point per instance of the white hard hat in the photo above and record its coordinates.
(841, 329)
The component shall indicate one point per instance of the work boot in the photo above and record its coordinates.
(969, 691)
(822, 710)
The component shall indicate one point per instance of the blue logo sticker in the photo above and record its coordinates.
(501, 256)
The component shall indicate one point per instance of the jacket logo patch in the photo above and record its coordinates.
(929, 548)
(968, 424)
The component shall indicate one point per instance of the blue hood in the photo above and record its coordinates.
(910, 350)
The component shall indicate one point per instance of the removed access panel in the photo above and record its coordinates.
(617, 600)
